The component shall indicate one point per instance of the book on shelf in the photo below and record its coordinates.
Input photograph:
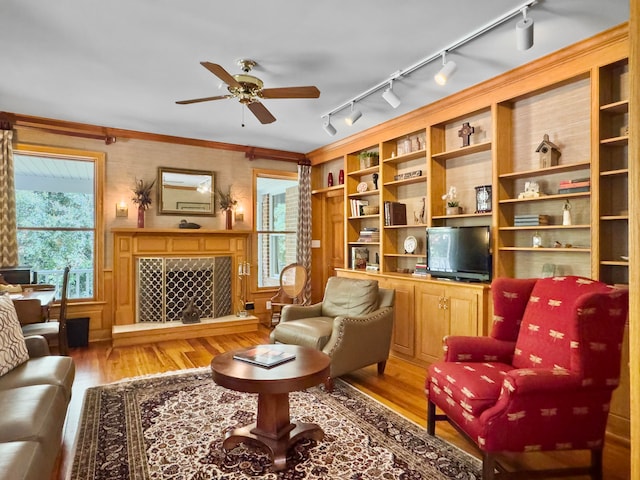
(369, 236)
(264, 356)
(356, 206)
(572, 184)
(359, 258)
(395, 213)
(575, 189)
(530, 220)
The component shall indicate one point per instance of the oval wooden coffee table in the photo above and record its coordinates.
(273, 427)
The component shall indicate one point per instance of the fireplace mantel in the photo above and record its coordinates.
(131, 243)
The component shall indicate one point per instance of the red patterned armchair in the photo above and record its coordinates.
(543, 379)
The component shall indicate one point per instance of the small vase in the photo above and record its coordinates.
(453, 210)
(330, 180)
(341, 177)
(141, 217)
(229, 219)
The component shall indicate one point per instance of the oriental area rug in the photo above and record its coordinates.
(171, 426)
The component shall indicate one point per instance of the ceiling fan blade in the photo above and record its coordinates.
(205, 99)
(261, 112)
(291, 92)
(221, 73)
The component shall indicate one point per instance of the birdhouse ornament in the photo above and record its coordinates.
(549, 153)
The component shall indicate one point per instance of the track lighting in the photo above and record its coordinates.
(353, 116)
(330, 129)
(447, 70)
(524, 32)
(391, 98)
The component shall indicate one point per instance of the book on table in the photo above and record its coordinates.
(264, 356)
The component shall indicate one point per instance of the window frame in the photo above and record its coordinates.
(256, 174)
(98, 159)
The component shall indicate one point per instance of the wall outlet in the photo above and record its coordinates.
(268, 305)
(249, 306)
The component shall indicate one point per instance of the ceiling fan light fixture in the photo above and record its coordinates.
(391, 98)
(326, 124)
(524, 32)
(353, 117)
(446, 72)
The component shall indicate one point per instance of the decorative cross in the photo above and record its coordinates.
(465, 132)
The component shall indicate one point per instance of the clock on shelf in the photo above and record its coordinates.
(362, 187)
(483, 199)
(410, 244)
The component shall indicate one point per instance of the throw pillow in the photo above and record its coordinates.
(13, 349)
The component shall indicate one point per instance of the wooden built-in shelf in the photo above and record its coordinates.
(555, 196)
(375, 215)
(406, 157)
(363, 243)
(615, 141)
(368, 193)
(461, 215)
(546, 249)
(364, 171)
(478, 147)
(540, 172)
(405, 255)
(545, 227)
(406, 181)
(621, 106)
(327, 189)
(409, 225)
(616, 263)
(620, 171)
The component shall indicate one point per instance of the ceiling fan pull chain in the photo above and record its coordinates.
(242, 116)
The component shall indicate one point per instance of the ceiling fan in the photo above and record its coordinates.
(248, 90)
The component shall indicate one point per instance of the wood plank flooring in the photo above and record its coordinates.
(401, 388)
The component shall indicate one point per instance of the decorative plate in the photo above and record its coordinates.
(362, 187)
(410, 244)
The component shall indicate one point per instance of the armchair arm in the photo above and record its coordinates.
(359, 341)
(37, 346)
(296, 312)
(477, 349)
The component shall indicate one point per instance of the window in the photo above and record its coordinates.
(276, 219)
(57, 198)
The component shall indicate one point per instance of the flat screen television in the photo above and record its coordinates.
(459, 253)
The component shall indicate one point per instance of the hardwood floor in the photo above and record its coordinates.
(401, 388)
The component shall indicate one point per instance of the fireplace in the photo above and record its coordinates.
(166, 285)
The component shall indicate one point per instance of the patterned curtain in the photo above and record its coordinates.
(303, 256)
(8, 232)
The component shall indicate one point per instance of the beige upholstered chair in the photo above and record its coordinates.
(352, 325)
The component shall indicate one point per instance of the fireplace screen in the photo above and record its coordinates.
(167, 285)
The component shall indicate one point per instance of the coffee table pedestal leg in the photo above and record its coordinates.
(273, 429)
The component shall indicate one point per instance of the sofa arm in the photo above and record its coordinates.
(477, 349)
(359, 341)
(296, 312)
(37, 346)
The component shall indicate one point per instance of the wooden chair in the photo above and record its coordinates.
(34, 322)
(293, 279)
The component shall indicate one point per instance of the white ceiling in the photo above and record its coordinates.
(124, 63)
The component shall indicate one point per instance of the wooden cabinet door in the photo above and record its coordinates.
(403, 339)
(462, 311)
(431, 322)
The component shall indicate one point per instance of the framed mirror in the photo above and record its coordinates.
(186, 192)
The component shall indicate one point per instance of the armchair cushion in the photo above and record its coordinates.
(311, 332)
(13, 350)
(349, 297)
(477, 393)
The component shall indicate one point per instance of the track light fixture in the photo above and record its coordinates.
(326, 124)
(524, 32)
(353, 116)
(447, 70)
(391, 98)
(524, 29)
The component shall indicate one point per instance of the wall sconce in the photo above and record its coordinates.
(122, 209)
(239, 214)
